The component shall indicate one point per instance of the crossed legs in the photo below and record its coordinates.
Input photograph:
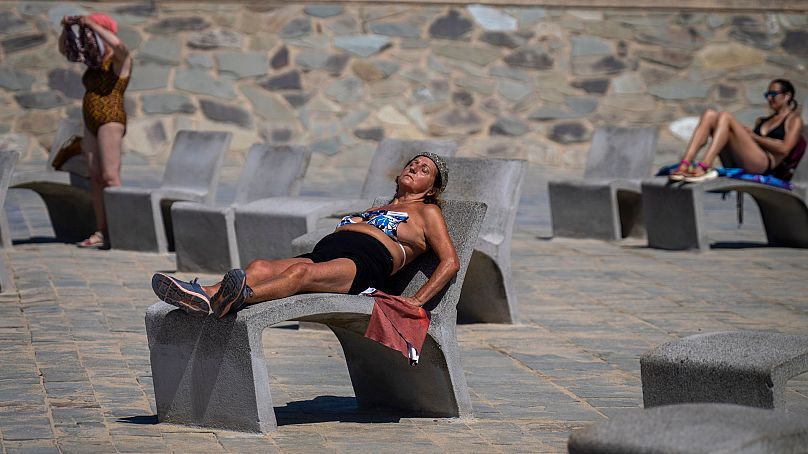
(726, 131)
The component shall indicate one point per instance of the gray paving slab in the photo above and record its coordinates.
(75, 373)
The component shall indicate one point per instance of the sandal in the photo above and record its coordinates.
(709, 174)
(96, 240)
(681, 172)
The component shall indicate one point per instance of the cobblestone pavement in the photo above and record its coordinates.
(75, 374)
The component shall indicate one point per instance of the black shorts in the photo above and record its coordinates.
(372, 259)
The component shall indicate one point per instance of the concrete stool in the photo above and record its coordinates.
(694, 428)
(739, 367)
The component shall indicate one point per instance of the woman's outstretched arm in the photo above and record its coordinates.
(437, 236)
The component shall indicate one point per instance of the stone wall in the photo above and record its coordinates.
(506, 81)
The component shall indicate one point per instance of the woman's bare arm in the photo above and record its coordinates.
(437, 236)
(119, 50)
(782, 147)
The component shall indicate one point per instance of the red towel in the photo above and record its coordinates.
(398, 325)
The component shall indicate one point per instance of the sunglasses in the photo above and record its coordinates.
(771, 94)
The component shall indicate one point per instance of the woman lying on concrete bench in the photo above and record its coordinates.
(760, 150)
(364, 249)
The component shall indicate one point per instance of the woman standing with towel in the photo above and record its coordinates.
(104, 114)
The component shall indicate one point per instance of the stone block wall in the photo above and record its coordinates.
(503, 81)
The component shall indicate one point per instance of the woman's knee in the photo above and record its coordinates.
(709, 117)
(725, 117)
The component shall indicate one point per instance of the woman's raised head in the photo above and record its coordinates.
(437, 170)
(782, 87)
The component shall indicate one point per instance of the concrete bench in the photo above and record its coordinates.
(606, 203)
(738, 367)
(213, 373)
(674, 212)
(694, 428)
(66, 192)
(488, 295)
(8, 159)
(265, 229)
(139, 219)
(205, 236)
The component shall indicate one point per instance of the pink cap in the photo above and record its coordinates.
(104, 21)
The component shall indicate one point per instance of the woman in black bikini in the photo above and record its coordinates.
(757, 150)
(363, 250)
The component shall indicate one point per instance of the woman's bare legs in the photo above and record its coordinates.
(274, 279)
(703, 131)
(730, 132)
(104, 155)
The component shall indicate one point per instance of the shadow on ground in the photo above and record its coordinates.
(332, 409)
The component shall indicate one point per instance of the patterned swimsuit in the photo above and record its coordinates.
(384, 220)
(103, 99)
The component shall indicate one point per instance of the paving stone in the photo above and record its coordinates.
(199, 81)
(504, 39)
(200, 61)
(178, 24)
(594, 86)
(680, 89)
(597, 66)
(242, 64)
(18, 43)
(40, 99)
(148, 77)
(161, 49)
(491, 18)
(346, 90)
(266, 105)
(15, 80)
(450, 26)
(748, 30)
(568, 133)
(66, 81)
(793, 43)
(675, 58)
(513, 91)
(466, 52)
(166, 103)
(281, 58)
(362, 45)
(214, 39)
(225, 113)
(530, 57)
(297, 27)
(509, 126)
(287, 81)
(590, 45)
(398, 29)
(672, 37)
(323, 11)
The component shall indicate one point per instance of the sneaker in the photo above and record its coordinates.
(709, 174)
(188, 296)
(232, 293)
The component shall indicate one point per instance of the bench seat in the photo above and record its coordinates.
(739, 367)
(694, 428)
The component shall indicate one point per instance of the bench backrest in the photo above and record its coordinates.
(196, 160)
(495, 182)
(618, 152)
(463, 220)
(272, 171)
(390, 158)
